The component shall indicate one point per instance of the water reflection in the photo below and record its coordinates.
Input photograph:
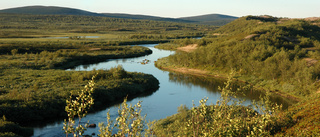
(175, 89)
(212, 85)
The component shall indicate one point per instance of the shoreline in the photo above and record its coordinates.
(85, 60)
(204, 73)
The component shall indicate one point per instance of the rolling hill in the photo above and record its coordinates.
(49, 10)
(145, 17)
(211, 19)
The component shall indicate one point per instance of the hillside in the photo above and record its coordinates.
(52, 10)
(209, 19)
(277, 52)
(212, 19)
(278, 55)
(48, 10)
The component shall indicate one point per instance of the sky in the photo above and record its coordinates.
(184, 8)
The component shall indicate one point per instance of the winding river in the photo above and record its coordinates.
(175, 89)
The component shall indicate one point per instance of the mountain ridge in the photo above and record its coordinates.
(209, 19)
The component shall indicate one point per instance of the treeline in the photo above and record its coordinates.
(275, 53)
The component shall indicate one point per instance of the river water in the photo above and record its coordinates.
(175, 89)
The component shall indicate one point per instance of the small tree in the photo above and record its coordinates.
(78, 105)
(129, 123)
(14, 52)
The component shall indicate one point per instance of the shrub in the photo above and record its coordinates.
(78, 105)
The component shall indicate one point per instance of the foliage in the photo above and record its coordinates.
(173, 45)
(264, 49)
(78, 106)
(226, 118)
(33, 47)
(302, 119)
(35, 95)
(52, 55)
(10, 129)
(129, 123)
(277, 54)
(167, 46)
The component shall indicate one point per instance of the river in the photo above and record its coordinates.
(175, 89)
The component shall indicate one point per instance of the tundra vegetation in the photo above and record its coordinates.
(228, 117)
(35, 50)
(284, 51)
(278, 55)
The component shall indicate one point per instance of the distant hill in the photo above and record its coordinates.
(211, 19)
(49, 10)
(145, 17)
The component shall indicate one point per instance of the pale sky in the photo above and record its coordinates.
(183, 8)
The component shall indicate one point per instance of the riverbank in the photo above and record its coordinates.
(259, 48)
(35, 52)
(300, 119)
(91, 59)
(163, 65)
(39, 95)
(34, 86)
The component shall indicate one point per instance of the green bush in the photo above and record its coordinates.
(276, 51)
(10, 129)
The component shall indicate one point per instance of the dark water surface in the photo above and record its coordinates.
(175, 89)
